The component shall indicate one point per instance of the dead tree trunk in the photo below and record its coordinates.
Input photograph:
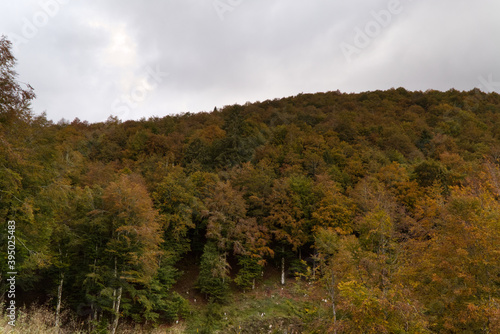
(334, 310)
(59, 298)
(117, 310)
(283, 270)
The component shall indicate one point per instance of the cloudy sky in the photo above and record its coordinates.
(129, 58)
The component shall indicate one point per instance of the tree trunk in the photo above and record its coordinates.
(59, 298)
(117, 296)
(332, 296)
(314, 264)
(114, 290)
(117, 310)
(114, 299)
(283, 270)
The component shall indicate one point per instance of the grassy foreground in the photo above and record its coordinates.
(269, 308)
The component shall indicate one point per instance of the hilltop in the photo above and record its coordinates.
(381, 209)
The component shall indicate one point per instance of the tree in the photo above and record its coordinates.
(214, 273)
(225, 208)
(454, 269)
(175, 197)
(255, 183)
(334, 209)
(291, 205)
(231, 230)
(242, 137)
(334, 263)
(132, 253)
(428, 172)
(14, 100)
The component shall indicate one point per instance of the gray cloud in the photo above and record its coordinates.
(95, 58)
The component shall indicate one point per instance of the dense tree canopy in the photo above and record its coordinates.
(387, 201)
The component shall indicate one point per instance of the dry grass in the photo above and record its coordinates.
(40, 320)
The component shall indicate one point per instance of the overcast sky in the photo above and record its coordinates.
(91, 59)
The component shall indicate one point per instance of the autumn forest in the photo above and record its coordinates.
(374, 212)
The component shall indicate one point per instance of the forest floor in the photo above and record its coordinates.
(269, 308)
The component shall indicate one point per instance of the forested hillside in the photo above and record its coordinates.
(382, 208)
